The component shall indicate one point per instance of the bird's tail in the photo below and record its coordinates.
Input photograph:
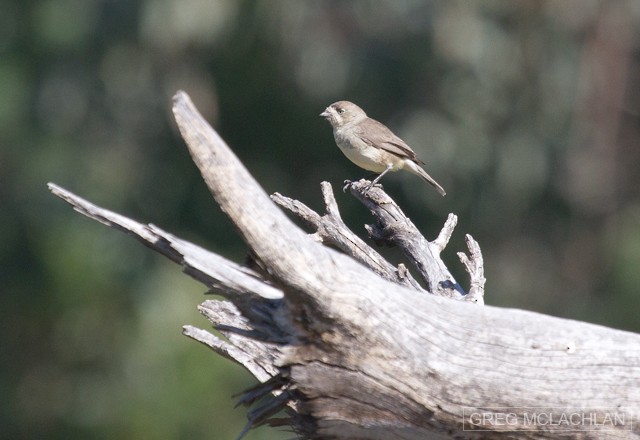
(418, 170)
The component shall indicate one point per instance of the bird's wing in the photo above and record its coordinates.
(378, 135)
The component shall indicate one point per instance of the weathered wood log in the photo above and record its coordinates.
(353, 348)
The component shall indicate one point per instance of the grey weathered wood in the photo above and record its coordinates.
(331, 230)
(474, 264)
(360, 357)
(394, 227)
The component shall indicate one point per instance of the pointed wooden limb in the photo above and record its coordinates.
(394, 227)
(474, 264)
(331, 230)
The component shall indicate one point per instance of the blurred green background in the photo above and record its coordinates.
(525, 111)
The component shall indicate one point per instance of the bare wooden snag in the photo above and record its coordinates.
(347, 346)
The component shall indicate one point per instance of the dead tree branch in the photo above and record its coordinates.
(350, 349)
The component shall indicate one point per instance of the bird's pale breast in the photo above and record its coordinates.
(363, 154)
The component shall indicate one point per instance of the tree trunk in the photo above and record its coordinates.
(352, 347)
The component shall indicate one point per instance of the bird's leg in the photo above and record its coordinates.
(389, 166)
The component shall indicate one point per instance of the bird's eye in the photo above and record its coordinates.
(341, 110)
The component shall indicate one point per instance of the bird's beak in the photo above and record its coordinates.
(325, 113)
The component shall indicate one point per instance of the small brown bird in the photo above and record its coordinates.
(370, 144)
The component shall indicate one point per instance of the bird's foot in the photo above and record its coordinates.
(374, 185)
(368, 188)
(347, 183)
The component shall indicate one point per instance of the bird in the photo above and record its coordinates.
(371, 145)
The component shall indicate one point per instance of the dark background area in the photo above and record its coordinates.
(525, 111)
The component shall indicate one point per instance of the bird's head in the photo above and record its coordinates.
(342, 113)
